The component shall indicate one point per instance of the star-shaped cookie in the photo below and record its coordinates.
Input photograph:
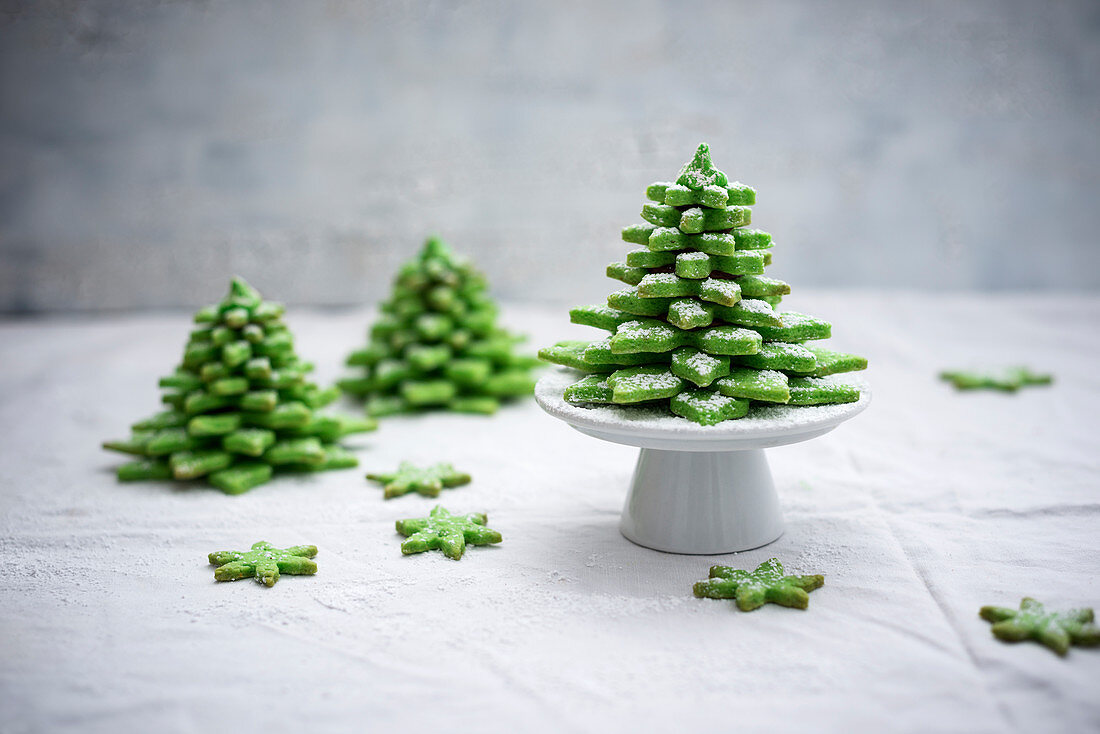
(265, 562)
(446, 532)
(428, 482)
(1056, 630)
(752, 589)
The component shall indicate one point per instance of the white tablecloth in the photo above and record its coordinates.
(918, 512)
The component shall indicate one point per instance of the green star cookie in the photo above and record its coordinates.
(753, 589)
(446, 532)
(428, 482)
(670, 285)
(601, 353)
(601, 317)
(768, 386)
(1056, 630)
(712, 195)
(650, 335)
(571, 354)
(707, 407)
(265, 562)
(1008, 380)
(830, 362)
(591, 389)
(819, 391)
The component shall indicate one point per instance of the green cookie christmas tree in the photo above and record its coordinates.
(697, 329)
(240, 405)
(437, 345)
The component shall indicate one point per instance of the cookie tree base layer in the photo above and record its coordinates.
(698, 489)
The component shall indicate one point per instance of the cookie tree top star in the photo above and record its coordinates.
(697, 329)
(437, 345)
(240, 405)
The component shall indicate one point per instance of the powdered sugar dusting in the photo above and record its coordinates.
(756, 305)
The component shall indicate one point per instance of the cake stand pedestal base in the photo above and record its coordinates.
(702, 502)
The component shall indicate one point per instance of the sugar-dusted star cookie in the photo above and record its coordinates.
(752, 589)
(1056, 630)
(428, 482)
(446, 532)
(265, 562)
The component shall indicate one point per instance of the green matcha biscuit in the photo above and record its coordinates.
(628, 301)
(446, 532)
(819, 391)
(661, 215)
(664, 239)
(571, 354)
(696, 219)
(752, 312)
(639, 234)
(429, 481)
(591, 389)
(756, 286)
(780, 356)
(144, 469)
(242, 406)
(699, 367)
(639, 384)
(829, 362)
(689, 313)
(601, 317)
(437, 345)
(651, 335)
(696, 331)
(1056, 630)
(693, 264)
(699, 172)
(669, 285)
(600, 353)
(753, 589)
(767, 386)
(672, 239)
(264, 562)
(625, 273)
(701, 265)
(1006, 380)
(243, 476)
(713, 195)
(796, 327)
(707, 407)
(752, 239)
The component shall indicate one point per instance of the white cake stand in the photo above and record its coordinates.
(698, 489)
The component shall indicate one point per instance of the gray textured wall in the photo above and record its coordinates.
(149, 149)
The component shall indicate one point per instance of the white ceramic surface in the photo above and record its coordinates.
(697, 489)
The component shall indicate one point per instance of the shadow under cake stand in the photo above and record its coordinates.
(698, 489)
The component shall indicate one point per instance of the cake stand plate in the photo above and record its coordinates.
(698, 489)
